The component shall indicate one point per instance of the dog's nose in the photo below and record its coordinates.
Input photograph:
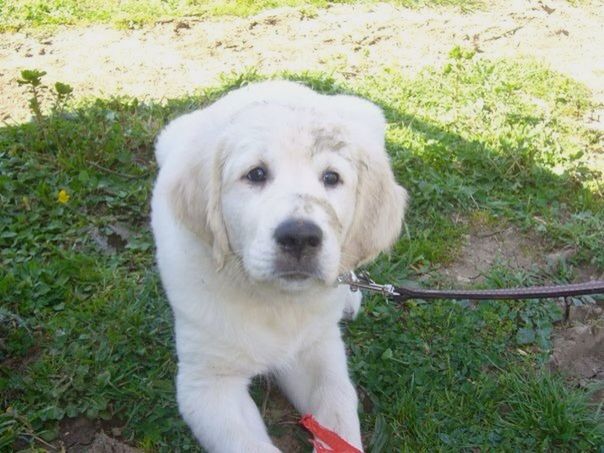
(298, 236)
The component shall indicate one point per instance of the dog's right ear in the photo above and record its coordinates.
(192, 178)
(381, 201)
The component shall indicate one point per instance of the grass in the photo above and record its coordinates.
(85, 329)
(17, 14)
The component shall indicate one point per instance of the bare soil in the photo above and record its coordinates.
(578, 341)
(105, 444)
(82, 435)
(487, 246)
(174, 58)
(578, 349)
(283, 422)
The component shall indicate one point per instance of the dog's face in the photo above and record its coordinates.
(288, 194)
(295, 195)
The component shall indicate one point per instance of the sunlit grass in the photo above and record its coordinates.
(16, 14)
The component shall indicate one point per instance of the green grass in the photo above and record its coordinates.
(16, 14)
(87, 332)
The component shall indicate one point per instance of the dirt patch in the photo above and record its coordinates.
(105, 444)
(19, 363)
(489, 244)
(282, 421)
(113, 240)
(77, 434)
(578, 343)
(486, 246)
(175, 58)
(579, 351)
(82, 435)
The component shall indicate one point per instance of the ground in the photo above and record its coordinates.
(559, 240)
(175, 58)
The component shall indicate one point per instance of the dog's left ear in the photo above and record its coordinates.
(196, 202)
(190, 156)
(380, 201)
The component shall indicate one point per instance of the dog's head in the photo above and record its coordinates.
(293, 186)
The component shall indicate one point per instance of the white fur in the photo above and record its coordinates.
(235, 315)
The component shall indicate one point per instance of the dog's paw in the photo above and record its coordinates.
(352, 304)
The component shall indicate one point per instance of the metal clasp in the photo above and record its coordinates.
(364, 281)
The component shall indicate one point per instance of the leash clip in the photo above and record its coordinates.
(363, 281)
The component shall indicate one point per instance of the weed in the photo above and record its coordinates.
(33, 80)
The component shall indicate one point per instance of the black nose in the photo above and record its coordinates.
(297, 236)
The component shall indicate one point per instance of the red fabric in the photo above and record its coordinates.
(326, 441)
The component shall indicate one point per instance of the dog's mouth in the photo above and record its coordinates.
(296, 276)
(297, 280)
(290, 271)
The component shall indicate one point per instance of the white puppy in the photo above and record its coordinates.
(262, 200)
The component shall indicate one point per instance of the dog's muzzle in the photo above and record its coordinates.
(299, 242)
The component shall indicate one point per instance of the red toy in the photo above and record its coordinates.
(325, 440)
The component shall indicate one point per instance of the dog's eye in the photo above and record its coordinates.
(257, 175)
(331, 178)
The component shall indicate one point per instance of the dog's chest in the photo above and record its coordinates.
(253, 341)
(271, 339)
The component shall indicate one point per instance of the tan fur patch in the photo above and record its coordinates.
(333, 220)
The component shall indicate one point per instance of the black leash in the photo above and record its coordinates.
(404, 293)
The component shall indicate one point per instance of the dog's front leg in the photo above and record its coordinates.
(222, 414)
(317, 383)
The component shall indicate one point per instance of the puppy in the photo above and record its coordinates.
(262, 200)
